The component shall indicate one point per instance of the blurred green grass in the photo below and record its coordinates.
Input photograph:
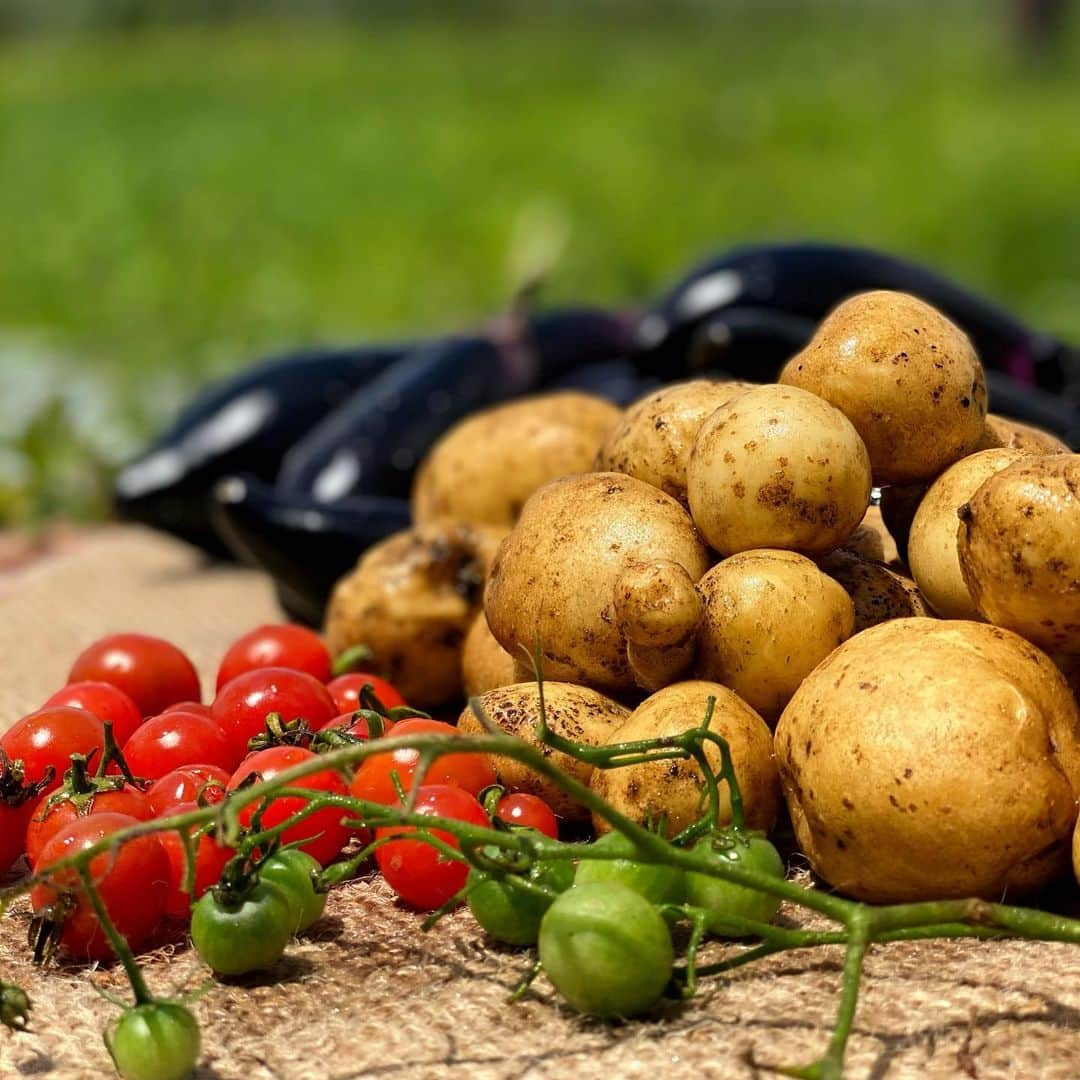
(177, 200)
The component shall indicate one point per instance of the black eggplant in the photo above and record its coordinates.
(305, 546)
(807, 280)
(243, 424)
(748, 342)
(372, 444)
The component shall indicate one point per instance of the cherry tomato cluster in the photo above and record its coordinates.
(129, 739)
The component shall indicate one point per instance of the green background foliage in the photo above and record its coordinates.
(178, 195)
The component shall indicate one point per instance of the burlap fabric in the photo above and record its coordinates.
(368, 994)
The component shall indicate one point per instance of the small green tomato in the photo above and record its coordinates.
(606, 949)
(511, 915)
(658, 884)
(248, 936)
(723, 899)
(155, 1041)
(295, 872)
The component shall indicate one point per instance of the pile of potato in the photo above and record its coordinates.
(899, 674)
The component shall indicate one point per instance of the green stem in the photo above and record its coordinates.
(116, 939)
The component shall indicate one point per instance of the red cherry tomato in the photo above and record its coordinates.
(14, 820)
(374, 782)
(242, 706)
(421, 875)
(132, 881)
(45, 824)
(184, 785)
(348, 722)
(345, 690)
(48, 738)
(528, 812)
(284, 645)
(106, 702)
(188, 706)
(154, 673)
(210, 860)
(323, 833)
(173, 740)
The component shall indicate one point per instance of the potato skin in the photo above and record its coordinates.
(486, 466)
(877, 593)
(929, 759)
(1019, 546)
(574, 712)
(932, 542)
(778, 467)
(411, 599)
(674, 788)
(1015, 435)
(904, 375)
(653, 440)
(770, 618)
(555, 575)
(485, 664)
(899, 504)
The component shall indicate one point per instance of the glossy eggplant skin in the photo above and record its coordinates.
(305, 546)
(808, 280)
(373, 443)
(243, 424)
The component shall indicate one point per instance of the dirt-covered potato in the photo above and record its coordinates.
(556, 575)
(653, 440)
(872, 540)
(778, 467)
(932, 541)
(1016, 435)
(904, 375)
(770, 618)
(574, 712)
(1019, 545)
(673, 789)
(485, 664)
(877, 593)
(487, 465)
(928, 759)
(411, 600)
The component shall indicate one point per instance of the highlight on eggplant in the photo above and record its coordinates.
(304, 545)
(807, 280)
(244, 423)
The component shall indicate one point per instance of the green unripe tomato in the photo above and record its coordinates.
(296, 873)
(723, 898)
(249, 937)
(155, 1041)
(606, 949)
(658, 884)
(511, 915)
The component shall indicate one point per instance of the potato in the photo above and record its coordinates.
(928, 759)
(574, 712)
(877, 593)
(1015, 435)
(904, 375)
(486, 466)
(555, 577)
(653, 440)
(932, 541)
(674, 788)
(778, 467)
(872, 539)
(485, 664)
(770, 618)
(1019, 546)
(411, 599)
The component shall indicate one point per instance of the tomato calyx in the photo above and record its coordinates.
(356, 656)
(279, 732)
(80, 788)
(14, 789)
(15, 1006)
(47, 928)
